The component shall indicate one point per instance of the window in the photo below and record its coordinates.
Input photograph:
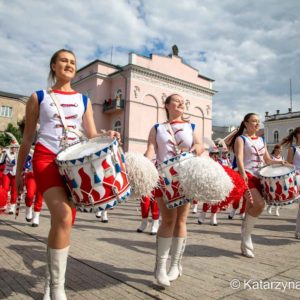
(6, 111)
(291, 130)
(276, 136)
(118, 126)
(119, 94)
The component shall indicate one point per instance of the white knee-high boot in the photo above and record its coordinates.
(163, 246)
(47, 284)
(178, 247)
(297, 233)
(247, 227)
(57, 262)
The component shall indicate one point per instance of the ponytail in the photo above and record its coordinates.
(288, 141)
(240, 130)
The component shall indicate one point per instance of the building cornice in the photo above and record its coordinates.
(169, 79)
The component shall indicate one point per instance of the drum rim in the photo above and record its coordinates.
(112, 142)
(165, 164)
(292, 169)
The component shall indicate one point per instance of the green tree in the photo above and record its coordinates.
(5, 139)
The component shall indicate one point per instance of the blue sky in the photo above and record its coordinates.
(251, 48)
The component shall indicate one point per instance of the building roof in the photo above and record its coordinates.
(11, 95)
(100, 62)
(284, 116)
(119, 68)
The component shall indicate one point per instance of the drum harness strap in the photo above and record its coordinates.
(171, 131)
(66, 129)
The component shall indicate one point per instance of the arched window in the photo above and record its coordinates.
(119, 94)
(118, 126)
(276, 136)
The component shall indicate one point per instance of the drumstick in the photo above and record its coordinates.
(18, 205)
(249, 195)
(19, 201)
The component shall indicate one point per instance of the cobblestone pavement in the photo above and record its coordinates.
(113, 261)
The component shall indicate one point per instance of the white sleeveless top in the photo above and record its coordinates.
(51, 130)
(254, 150)
(183, 133)
(10, 163)
(296, 160)
(276, 158)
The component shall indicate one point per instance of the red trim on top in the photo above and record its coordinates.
(64, 93)
(254, 137)
(177, 122)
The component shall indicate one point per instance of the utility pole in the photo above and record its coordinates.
(111, 53)
(291, 97)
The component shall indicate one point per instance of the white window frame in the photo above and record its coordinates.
(276, 139)
(117, 128)
(6, 111)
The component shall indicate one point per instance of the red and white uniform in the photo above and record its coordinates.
(183, 134)
(32, 192)
(254, 150)
(51, 135)
(9, 175)
(166, 146)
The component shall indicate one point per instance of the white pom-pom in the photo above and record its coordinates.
(204, 179)
(142, 174)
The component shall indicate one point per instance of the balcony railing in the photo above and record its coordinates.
(114, 105)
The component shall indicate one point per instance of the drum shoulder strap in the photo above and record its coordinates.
(171, 131)
(62, 115)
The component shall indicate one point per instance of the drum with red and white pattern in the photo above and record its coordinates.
(95, 173)
(280, 186)
(170, 185)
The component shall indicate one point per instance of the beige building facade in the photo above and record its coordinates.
(12, 109)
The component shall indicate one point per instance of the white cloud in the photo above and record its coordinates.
(252, 48)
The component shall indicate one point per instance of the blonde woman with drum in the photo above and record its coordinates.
(52, 137)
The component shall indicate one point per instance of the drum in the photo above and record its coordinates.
(95, 173)
(169, 183)
(279, 184)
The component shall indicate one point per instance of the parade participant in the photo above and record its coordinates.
(146, 204)
(32, 194)
(2, 164)
(102, 214)
(235, 207)
(224, 159)
(293, 157)
(9, 175)
(164, 141)
(194, 206)
(251, 153)
(214, 208)
(50, 107)
(277, 155)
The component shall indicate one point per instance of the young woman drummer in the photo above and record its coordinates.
(293, 157)
(51, 138)
(251, 153)
(172, 231)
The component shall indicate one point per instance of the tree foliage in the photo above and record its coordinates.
(5, 139)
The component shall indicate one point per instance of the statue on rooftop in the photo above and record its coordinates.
(175, 50)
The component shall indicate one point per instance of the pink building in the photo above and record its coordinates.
(130, 99)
